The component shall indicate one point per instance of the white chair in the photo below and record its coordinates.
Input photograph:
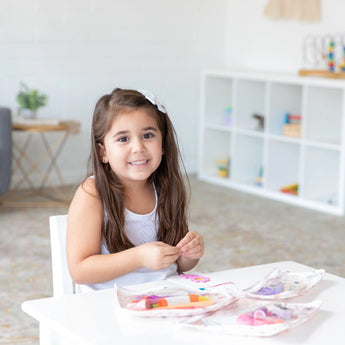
(62, 281)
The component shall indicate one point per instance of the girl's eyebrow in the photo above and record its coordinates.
(144, 129)
(150, 129)
(120, 133)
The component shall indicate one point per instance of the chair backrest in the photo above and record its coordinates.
(5, 149)
(62, 281)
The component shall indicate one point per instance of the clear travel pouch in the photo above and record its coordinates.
(248, 317)
(166, 299)
(281, 285)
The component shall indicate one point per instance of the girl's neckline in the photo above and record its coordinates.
(140, 214)
(149, 213)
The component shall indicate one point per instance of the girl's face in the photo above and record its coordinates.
(133, 146)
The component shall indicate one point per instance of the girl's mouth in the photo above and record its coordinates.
(144, 161)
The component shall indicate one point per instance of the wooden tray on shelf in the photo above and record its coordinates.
(321, 73)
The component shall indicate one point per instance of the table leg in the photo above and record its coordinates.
(53, 156)
(51, 153)
(18, 153)
(34, 164)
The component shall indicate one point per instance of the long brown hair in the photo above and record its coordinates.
(168, 179)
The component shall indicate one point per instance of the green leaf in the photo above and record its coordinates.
(30, 98)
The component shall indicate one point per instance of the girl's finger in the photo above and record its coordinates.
(193, 243)
(188, 238)
(184, 241)
(170, 259)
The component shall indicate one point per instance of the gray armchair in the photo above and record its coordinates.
(5, 149)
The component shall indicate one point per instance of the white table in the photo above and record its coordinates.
(90, 318)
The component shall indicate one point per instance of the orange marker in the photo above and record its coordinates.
(179, 300)
(190, 305)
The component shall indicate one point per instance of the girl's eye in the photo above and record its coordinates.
(148, 135)
(123, 139)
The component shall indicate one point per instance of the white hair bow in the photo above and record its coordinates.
(149, 96)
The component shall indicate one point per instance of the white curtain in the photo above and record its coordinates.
(304, 10)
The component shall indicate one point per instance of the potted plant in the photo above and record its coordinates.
(29, 101)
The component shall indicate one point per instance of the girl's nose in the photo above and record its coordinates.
(137, 145)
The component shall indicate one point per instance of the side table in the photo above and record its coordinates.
(33, 163)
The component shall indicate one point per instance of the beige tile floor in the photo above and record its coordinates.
(239, 230)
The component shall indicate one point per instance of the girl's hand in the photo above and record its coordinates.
(192, 245)
(158, 255)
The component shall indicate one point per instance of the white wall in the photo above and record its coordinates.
(76, 51)
(257, 42)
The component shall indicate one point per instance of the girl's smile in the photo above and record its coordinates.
(139, 162)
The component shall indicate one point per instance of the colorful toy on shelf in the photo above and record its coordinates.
(292, 127)
(292, 130)
(324, 56)
(331, 56)
(223, 167)
(291, 118)
(290, 189)
(259, 180)
(228, 116)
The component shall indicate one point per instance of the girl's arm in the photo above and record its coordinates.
(86, 263)
(192, 249)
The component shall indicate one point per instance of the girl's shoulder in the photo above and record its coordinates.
(86, 200)
(89, 185)
(87, 190)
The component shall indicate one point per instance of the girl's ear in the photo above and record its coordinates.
(101, 153)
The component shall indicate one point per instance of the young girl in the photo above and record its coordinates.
(127, 223)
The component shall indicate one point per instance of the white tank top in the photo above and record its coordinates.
(140, 229)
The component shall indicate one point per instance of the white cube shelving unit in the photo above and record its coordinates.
(315, 160)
